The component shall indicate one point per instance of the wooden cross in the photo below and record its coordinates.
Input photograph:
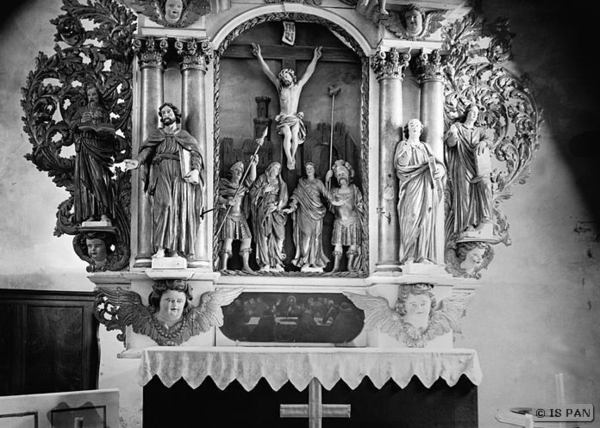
(315, 410)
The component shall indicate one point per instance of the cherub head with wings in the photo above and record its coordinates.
(175, 13)
(417, 317)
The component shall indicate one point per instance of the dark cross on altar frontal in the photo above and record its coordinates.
(315, 410)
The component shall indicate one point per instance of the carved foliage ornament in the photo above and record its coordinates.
(416, 318)
(89, 60)
(119, 308)
(508, 114)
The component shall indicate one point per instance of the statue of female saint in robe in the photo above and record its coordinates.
(419, 196)
(306, 204)
(469, 169)
(94, 148)
(268, 198)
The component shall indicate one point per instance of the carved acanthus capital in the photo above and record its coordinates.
(390, 64)
(429, 67)
(150, 51)
(194, 53)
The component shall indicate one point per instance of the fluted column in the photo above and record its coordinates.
(195, 55)
(150, 52)
(389, 69)
(429, 70)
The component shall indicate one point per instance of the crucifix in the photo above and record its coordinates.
(289, 57)
(315, 410)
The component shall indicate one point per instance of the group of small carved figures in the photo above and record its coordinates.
(173, 171)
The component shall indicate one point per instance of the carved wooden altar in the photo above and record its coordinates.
(409, 185)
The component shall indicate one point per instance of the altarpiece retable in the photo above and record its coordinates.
(301, 178)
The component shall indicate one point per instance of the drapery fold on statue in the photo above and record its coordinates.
(177, 205)
(300, 365)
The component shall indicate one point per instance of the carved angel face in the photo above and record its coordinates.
(173, 11)
(418, 307)
(172, 303)
(414, 21)
(97, 250)
(473, 260)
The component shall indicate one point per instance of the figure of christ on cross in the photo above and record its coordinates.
(289, 119)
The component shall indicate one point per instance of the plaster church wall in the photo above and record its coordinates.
(535, 312)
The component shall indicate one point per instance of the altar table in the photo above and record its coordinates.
(258, 386)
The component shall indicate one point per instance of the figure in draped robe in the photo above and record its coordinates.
(268, 198)
(94, 148)
(308, 210)
(419, 196)
(469, 169)
(174, 179)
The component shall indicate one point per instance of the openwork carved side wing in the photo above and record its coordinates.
(209, 313)
(77, 104)
(508, 114)
(118, 308)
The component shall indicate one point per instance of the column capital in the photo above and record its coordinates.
(390, 64)
(194, 53)
(429, 67)
(150, 51)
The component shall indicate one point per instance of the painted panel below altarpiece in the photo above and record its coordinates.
(283, 319)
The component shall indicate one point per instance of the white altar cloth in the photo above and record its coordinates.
(300, 365)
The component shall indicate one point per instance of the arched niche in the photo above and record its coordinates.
(245, 101)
